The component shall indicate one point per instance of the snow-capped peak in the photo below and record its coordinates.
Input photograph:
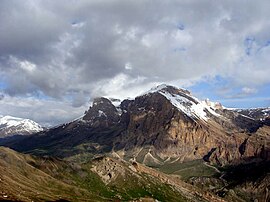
(163, 87)
(116, 102)
(185, 102)
(13, 126)
(156, 88)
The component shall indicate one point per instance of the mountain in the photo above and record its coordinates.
(163, 125)
(262, 114)
(10, 126)
(219, 150)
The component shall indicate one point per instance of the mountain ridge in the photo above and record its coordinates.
(163, 123)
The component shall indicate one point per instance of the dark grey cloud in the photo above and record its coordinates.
(72, 51)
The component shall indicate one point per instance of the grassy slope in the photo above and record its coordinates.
(189, 169)
(243, 182)
(28, 178)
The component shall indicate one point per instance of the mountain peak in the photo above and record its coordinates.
(101, 101)
(101, 111)
(167, 88)
(184, 101)
(10, 125)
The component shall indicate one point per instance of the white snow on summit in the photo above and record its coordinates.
(186, 103)
(155, 89)
(12, 125)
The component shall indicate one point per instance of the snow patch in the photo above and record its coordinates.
(188, 106)
(246, 116)
(101, 113)
(186, 103)
(156, 89)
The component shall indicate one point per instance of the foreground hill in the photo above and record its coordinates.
(29, 178)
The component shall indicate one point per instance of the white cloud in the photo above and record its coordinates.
(247, 90)
(27, 66)
(121, 86)
(128, 66)
(71, 51)
(46, 112)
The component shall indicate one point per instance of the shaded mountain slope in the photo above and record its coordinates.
(21, 180)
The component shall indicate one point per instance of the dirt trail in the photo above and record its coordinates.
(210, 166)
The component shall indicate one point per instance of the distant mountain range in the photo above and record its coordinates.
(10, 126)
(255, 113)
(172, 131)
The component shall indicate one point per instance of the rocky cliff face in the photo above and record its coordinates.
(168, 124)
(102, 113)
(164, 125)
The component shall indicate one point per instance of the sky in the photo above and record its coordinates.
(56, 56)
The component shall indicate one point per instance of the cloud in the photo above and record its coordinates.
(46, 112)
(244, 92)
(73, 51)
(249, 91)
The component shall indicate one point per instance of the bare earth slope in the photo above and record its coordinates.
(28, 178)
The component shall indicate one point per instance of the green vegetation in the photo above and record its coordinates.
(131, 187)
(50, 179)
(189, 169)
